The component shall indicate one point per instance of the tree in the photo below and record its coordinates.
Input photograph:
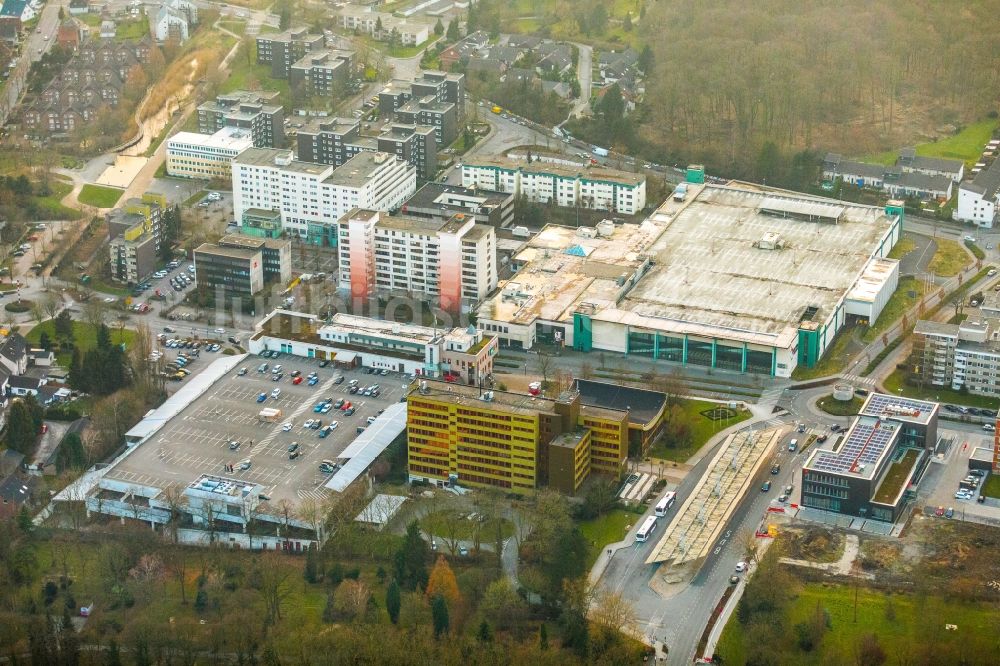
(439, 616)
(439, 28)
(645, 61)
(869, 652)
(24, 522)
(270, 578)
(77, 379)
(442, 582)
(627, 22)
(411, 558)
(351, 599)
(329, 610)
(63, 325)
(543, 637)
(393, 601)
(312, 565)
(21, 430)
(44, 342)
(453, 33)
(51, 304)
(612, 105)
(502, 605)
(612, 611)
(485, 634)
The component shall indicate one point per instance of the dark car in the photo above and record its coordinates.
(339, 380)
(294, 446)
(775, 469)
(349, 411)
(352, 390)
(821, 439)
(324, 363)
(981, 499)
(766, 486)
(293, 455)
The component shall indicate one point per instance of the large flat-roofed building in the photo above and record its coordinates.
(254, 111)
(441, 201)
(515, 442)
(596, 188)
(181, 475)
(869, 471)
(135, 234)
(206, 156)
(242, 265)
(962, 356)
(321, 73)
(463, 355)
(282, 50)
(434, 99)
(450, 262)
(647, 410)
(382, 25)
(313, 197)
(336, 140)
(736, 276)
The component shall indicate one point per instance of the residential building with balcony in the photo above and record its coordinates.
(283, 49)
(255, 112)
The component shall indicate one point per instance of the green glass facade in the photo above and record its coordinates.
(681, 349)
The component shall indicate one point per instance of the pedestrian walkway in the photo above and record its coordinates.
(858, 381)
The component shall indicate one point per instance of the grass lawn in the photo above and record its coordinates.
(702, 429)
(131, 30)
(99, 196)
(894, 478)
(949, 258)
(992, 486)
(84, 334)
(839, 407)
(243, 74)
(833, 361)
(967, 145)
(437, 523)
(895, 383)
(902, 248)
(93, 20)
(195, 198)
(53, 209)
(898, 304)
(235, 27)
(917, 619)
(609, 528)
(975, 250)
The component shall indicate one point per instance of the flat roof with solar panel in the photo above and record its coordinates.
(860, 451)
(898, 408)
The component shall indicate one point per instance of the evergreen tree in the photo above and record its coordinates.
(645, 62)
(485, 633)
(63, 325)
(393, 602)
(453, 33)
(627, 22)
(77, 377)
(24, 520)
(21, 430)
(439, 28)
(329, 611)
(113, 655)
(201, 600)
(311, 571)
(270, 657)
(411, 558)
(543, 637)
(44, 342)
(439, 616)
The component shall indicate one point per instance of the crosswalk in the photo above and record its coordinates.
(770, 396)
(859, 381)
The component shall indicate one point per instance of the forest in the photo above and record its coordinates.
(732, 79)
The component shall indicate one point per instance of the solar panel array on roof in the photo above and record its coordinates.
(882, 405)
(865, 444)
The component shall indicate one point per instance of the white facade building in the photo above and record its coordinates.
(978, 199)
(452, 262)
(318, 194)
(380, 25)
(587, 187)
(194, 155)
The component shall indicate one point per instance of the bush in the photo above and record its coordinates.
(63, 413)
(353, 574)
(18, 307)
(336, 574)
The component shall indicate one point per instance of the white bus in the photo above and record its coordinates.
(646, 529)
(664, 504)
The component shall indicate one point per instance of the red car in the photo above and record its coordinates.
(45, 428)
(345, 406)
(32, 238)
(297, 380)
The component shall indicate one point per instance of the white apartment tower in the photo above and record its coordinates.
(451, 262)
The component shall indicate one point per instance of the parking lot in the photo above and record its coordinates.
(942, 479)
(197, 440)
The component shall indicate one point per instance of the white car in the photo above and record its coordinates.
(741, 567)
(308, 423)
(220, 331)
(286, 426)
(989, 427)
(970, 239)
(275, 393)
(333, 425)
(963, 495)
